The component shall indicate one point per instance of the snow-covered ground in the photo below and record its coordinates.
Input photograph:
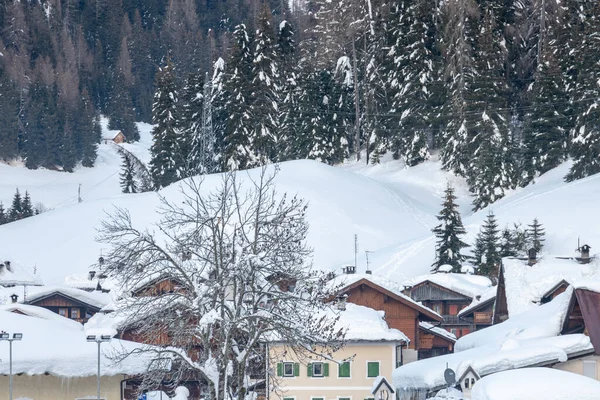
(536, 384)
(390, 208)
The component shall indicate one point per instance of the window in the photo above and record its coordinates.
(589, 368)
(437, 308)
(454, 331)
(288, 369)
(344, 369)
(317, 370)
(64, 312)
(75, 313)
(372, 369)
(453, 309)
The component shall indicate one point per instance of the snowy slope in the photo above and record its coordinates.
(391, 208)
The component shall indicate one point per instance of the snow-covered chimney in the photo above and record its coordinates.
(14, 297)
(91, 275)
(349, 269)
(340, 302)
(585, 253)
(7, 264)
(532, 256)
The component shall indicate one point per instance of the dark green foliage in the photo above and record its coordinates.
(3, 215)
(16, 208)
(488, 245)
(168, 162)
(26, 206)
(127, 175)
(507, 244)
(536, 235)
(448, 233)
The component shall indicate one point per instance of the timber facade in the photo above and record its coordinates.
(66, 306)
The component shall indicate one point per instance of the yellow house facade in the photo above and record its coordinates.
(49, 387)
(371, 350)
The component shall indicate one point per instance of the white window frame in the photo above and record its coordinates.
(367, 368)
(322, 374)
(283, 371)
(338, 370)
(343, 397)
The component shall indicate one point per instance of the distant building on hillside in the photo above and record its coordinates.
(114, 136)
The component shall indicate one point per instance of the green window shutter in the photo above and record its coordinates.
(296, 369)
(325, 369)
(344, 370)
(279, 369)
(309, 370)
(372, 369)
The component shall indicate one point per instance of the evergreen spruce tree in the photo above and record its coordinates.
(16, 209)
(490, 260)
(191, 122)
(167, 161)
(519, 238)
(128, 184)
(507, 244)
(289, 91)
(3, 215)
(122, 114)
(448, 232)
(536, 235)
(233, 106)
(264, 112)
(585, 137)
(26, 206)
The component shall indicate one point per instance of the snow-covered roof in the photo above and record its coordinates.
(95, 299)
(110, 135)
(361, 324)
(467, 285)
(428, 374)
(17, 274)
(526, 285)
(543, 321)
(41, 312)
(436, 330)
(536, 384)
(50, 347)
(488, 295)
(343, 281)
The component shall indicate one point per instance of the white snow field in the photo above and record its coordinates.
(536, 384)
(390, 208)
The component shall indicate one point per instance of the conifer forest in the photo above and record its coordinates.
(501, 90)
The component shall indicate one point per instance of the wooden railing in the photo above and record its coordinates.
(483, 317)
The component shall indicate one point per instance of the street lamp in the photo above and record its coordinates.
(98, 339)
(17, 337)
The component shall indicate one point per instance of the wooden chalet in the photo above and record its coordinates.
(157, 286)
(557, 289)
(401, 313)
(433, 341)
(446, 302)
(65, 304)
(480, 313)
(501, 303)
(114, 136)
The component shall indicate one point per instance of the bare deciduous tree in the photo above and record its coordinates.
(239, 258)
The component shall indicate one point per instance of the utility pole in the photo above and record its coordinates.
(355, 250)
(79, 199)
(367, 252)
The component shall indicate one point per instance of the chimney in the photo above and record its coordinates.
(340, 302)
(14, 297)
(7, 264)
(91, 275)
(349, 269)
(478, 297)
(532, 256)
(585, 253)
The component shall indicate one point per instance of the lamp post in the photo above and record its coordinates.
(17, 337)
(98, 339)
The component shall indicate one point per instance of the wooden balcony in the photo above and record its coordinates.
(454, 320)
(482, 318)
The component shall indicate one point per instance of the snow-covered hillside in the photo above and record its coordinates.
(389, 207)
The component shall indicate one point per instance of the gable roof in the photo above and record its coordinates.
(462, 284)
(469, 369)
(437, 331)
(41, 312)
(95, 300)
(111, 135)
(589, 303)
(401, 298)
(379, 382)
(561, 283)
(487, 298)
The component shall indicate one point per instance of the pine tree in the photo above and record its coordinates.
(16, 209)
(26, 206)
(507, 244)
(167, 161)
(3, 215)
(519, 236)
(128, 184)
(585, 137)
(264, 113)
(191, 122)
(233, 103)
(536, 235)
(448, 232)
(289, 91)
(490, 260)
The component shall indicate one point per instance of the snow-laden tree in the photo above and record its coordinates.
(134, 176)
(191, 121)
(238, 254)
(127, 175)
(536, 235)
(487, 255)
(448, 232)
(233, 105)
(289, 91)
(266, 86)
(168, 162)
